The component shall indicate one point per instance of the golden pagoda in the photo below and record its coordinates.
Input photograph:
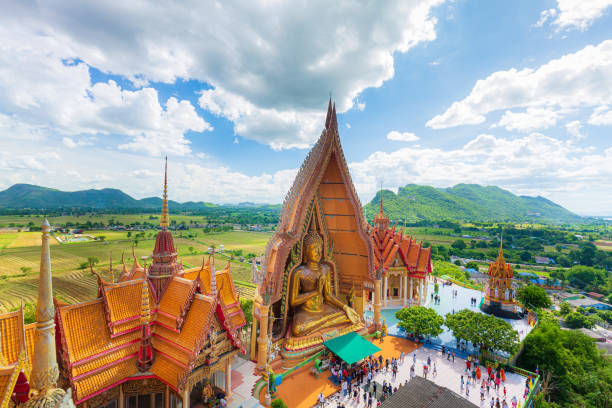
(499, 296)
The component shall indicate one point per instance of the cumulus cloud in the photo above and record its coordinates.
(48, 94)
(581, 79)
(402, 137)
(574, 14)
(530, 120)
(573, 128)
(602, 115)
(282, 61)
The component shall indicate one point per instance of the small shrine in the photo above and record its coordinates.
(499, 299)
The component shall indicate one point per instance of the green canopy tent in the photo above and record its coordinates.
(351, 347)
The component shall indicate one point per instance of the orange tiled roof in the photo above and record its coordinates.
(6, 384)
(88, 385)
(196, 326)
(86, 332)
(167, 371)
(390, 245)
(176, 296)
(11, 335)
(124, 304)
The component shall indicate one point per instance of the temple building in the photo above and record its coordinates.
(159, 336)
(499, 296)
(319, 264)
(404, 264)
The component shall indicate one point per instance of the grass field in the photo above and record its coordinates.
(72, 284)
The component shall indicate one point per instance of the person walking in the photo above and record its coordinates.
(321, 400)
(435, 370)
(453, 356)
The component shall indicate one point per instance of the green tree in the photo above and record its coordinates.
(420, 320)
(579, 376)
(533, 296)
(525, 256)
(436, 287)
(190, 249)
(565, 308)
(278, 403)
(472, 265)
(247, 309)
(488, 331)
(575, 320)
(92, 260)
(25, 269)
(459, 244)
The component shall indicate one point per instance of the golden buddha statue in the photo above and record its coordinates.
(314, 305)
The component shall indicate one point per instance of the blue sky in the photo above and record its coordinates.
(515, 94)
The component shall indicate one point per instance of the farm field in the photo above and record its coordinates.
(19, 264)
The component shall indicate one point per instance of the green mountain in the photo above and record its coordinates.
(467, 202)
(22, 196)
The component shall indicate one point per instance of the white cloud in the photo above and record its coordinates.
(574, 14)
(48, 95)
(581, 79)
(348, 125)
(402, 137)
(602, 115)
(72, 144)
(545, 15)
(530, 120)
(573, 128)
(281, 129)
(282, 61)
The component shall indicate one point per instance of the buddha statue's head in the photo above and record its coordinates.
(313, 247)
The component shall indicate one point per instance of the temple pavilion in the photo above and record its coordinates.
(156, 337)
(404, 264)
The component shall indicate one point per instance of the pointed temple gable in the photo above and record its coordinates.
(323, 179)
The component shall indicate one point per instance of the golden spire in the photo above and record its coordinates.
(500, 256)
(44, 369)
(164, 218)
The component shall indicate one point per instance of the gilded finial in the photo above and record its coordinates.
(313, 236)
(164, 218)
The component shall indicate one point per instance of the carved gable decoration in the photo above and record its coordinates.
(323, 179)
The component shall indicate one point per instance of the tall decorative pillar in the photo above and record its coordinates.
(253, 350)
(405, 293)
(45, 370)
(385, 286)
(377, 305)
(411, 292)
(401, 287)
(186, 396)
(122, 398)
(262, 340)
(228, 377)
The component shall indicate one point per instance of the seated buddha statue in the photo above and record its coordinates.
(314, 305)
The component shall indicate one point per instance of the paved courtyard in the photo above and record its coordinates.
(449, 375)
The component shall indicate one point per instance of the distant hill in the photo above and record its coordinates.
(22, 196)
(462, 202)
(469, 202)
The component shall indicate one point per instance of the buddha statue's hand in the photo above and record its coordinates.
(351, 314)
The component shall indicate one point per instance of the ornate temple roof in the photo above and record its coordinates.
(323, 176)
(499, 268)
(391, 246)
(133, 314)
(16, 349)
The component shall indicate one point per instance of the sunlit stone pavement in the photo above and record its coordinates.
(449, 376)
